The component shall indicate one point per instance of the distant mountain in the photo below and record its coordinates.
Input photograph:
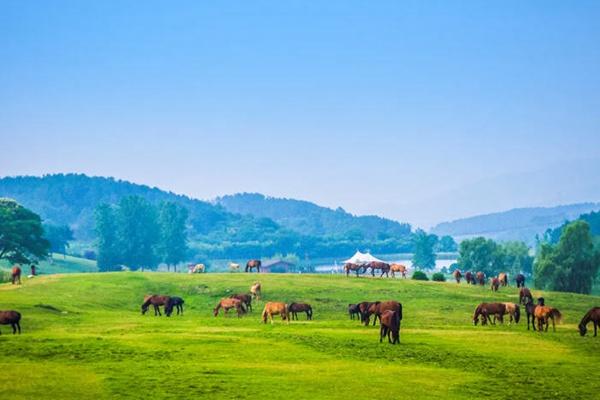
(517, 224)
(310, 219)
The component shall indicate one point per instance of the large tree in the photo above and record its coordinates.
(572, 264)
(517, 258)
(481, 254)
(138, 232)
(109, 256)
(21, 234)
(173, 237)
(59, 237)
(423, 253)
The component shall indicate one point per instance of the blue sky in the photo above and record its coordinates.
(378, 107)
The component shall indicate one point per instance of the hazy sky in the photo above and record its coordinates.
(378, 107)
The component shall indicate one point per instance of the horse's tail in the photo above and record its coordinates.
(556, 315)
(399, 313)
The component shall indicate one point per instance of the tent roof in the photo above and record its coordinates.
(361, 258)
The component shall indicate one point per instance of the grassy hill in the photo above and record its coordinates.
(59, 264)
(83, 337)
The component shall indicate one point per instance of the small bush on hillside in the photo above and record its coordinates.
(438, 277)
(420, 276)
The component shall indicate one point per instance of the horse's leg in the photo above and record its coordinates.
(553, 326)
(595, 328)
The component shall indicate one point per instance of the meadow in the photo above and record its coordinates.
(84, 337)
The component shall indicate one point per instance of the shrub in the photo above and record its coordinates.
(438, 277)
(420, 276)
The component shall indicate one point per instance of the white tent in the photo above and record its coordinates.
(361, 258)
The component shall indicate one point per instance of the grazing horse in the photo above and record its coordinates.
(250, 265)
(592, 315)
(12, 318)
(246, 300)
(457, 275)
(353, 267)
(227, 304)
(384, 267)
(480, 276)
(274, 308)
(255, 290)
(363, 308)
(353, 310)
(156, 301)
(379, 307)
(514, 311)
(295, 308)
(469, 277)
(530, 310)
(503, 278)
(520, 279)
(495, 284)
(16, 275)
(390, 324)
(486, 309)
(233, 267)
(398, 268)
(545, 313)
(524, 294)
(196, 269)
(176, 302)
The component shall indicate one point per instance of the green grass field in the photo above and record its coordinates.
(58, 264)
(84, 337)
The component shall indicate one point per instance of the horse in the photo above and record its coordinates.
(176, 302)
(384, 267)
(295, 308)
(353, 310)
(495, 284)
(592, 315)
(275, 308)
(503, 278)
(379, 307)
(390, 324)
(250, 265)
(480, 276)
(486, 309)
(524, 294)
(469, 277)
(353, 267)
(196, 269)
(227, 304)
(457, 275)
(233, 267)
(514, 311)
(363, 308)
(16, 275)
(255, 290)
(530, 310)
(545, 313)
(246, 300)
(12, 318)
(156, 301)
(520, 280)
(398, 268)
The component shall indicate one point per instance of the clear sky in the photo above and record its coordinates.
(378, 107)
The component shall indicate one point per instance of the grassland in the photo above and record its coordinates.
(83, 337)
(57, 264)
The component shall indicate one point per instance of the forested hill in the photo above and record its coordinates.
(517, 224)
(311, 219)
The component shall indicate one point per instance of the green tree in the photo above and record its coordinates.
(59, 237)
(423, 254)
(572, 264)
(446, 244)
(173, 246)
(481, 254)
(108, 244)
(138, 232)
(21, 234)
(517, 258)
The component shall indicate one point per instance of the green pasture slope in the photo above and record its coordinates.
(83, 337)
(59, 264)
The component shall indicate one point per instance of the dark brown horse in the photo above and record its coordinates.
(591, 316)
(485, 310)
(495, 284)
(353, 310)
(480, 276)
(246, 300)
(16, 275)
(363, 308)
(353, 267)
(384, 267)
(524, 294)
(379, 307)
(295, 308)
(530, 311)
(11, 318)
(176, 302)
(469, 277)
(457, 275)
(156, 301)
(250, 265)
(520, 279)
(390, 324)
(227, 304)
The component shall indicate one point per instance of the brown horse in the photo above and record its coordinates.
(514, 311)
(390, 324)
(11, 318)
(457, 275)
(156, 301)
(246, 300)
(379, 307)
(543, 314)
(524, 294)
(530, 310)
(227, 304)
(363, 308)
(295, 308)
(353, 310)
(495, 284)
(398, 268)
(353, 267)
(469, 277)
(275, 308)
(16, 275)
(594, 316)
(480, 276)
(384, 267)
(250, 265)
(484, 310)
(520, 280)
(503, 278)
(255, 290)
